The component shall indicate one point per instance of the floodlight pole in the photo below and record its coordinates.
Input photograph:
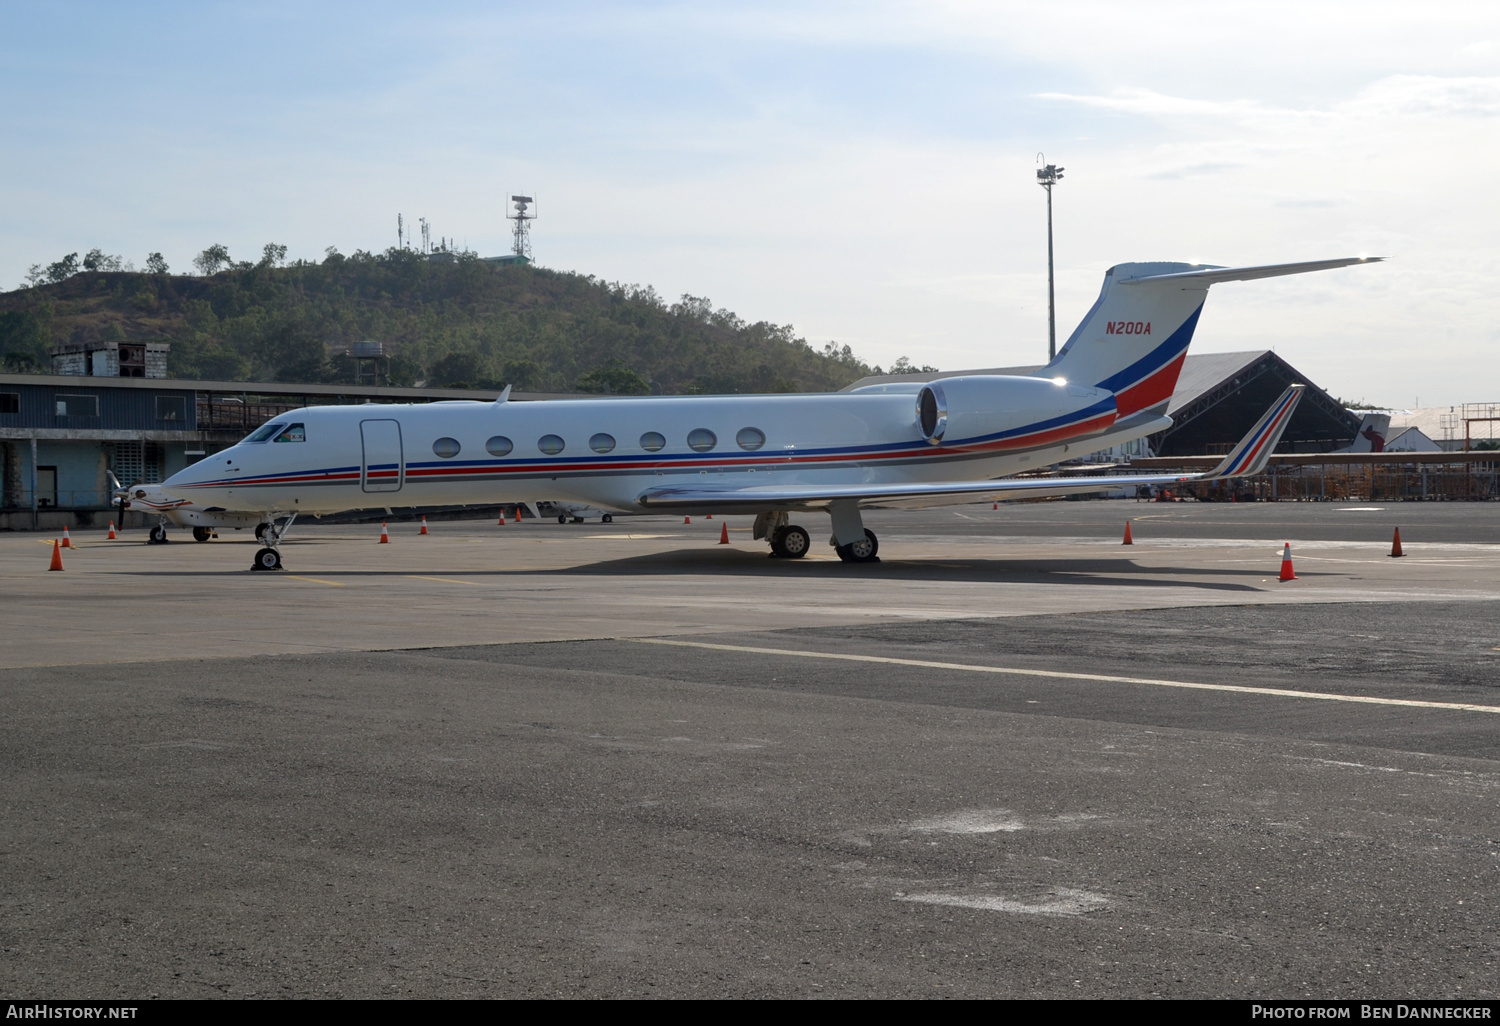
(1047, 177)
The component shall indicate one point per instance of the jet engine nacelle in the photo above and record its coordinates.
(989, 410)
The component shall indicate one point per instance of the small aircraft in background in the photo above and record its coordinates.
(574, 511)
(203, 520)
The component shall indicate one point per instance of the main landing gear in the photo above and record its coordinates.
(789, 541)
(862, 550)
(269, 558)
(203, 534)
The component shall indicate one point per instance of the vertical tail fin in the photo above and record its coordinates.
(1135, 337)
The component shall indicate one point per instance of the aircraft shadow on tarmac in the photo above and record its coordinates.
(1090, 571)
(1095, 571)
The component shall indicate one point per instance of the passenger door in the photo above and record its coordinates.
(383, 469)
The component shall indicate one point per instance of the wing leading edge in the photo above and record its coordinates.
(1247, 458)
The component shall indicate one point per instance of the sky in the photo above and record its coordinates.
(863, 172)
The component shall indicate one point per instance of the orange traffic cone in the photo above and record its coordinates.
(710, 516)
(1286, 564)
(1128, 540)
(67, 542)
(502, 519)
(112, 534)
(724, 533)
(687, 520)
(385, 539)
(1396, 544)
(56, 556)
(424, 526)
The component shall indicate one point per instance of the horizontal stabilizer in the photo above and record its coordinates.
(1212, 275)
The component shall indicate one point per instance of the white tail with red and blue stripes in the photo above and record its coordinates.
(1133, 340)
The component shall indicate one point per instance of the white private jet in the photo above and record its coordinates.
(902, 444)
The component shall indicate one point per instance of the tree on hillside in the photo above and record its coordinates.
(212, 260)
(97, 260)
(156, 264)
(273, 255)
(903, 365)
(62, 269)
(23, 342)
(614, 379)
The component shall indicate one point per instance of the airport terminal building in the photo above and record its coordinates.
(111, 409)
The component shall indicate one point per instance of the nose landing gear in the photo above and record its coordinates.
(269, 558)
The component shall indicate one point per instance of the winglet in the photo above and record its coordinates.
(1254, 451)
(504, 396)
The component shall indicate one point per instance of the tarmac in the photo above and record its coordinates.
(1013, 759)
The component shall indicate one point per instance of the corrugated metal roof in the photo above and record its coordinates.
(1206, 371)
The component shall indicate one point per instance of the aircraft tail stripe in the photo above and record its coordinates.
(1175, 345)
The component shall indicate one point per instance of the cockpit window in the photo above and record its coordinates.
(293, 433)
(266, 432)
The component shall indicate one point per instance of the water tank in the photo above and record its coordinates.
(368, 350)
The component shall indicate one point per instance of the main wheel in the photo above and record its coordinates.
(260, 531)
(158, 535)
(608, 518)
(202, 534)
(791, 542)
(267, 559)
(862, 551)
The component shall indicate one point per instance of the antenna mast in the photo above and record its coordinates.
(521, 247)
(400, 233)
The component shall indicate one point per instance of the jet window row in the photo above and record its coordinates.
(699, 440)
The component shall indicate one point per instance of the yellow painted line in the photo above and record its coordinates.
(445, 580)
(316, 580)
(1062, 675)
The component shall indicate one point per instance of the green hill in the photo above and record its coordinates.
(453, 323)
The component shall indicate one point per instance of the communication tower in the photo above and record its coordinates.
(400, 232)
(521, 247)
(426, 235)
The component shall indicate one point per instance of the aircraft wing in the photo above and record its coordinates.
(1249, 457)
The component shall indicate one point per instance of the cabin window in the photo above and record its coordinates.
(498, 446)
(171, 407)
(550, 444)
(447, 448)
(702, 439)
(265, 432)
(10, 402)
(602, 442)
(78, 406)
(653, 441)
(293, 433)
(750, 438)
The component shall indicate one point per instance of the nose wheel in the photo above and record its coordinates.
(269, 558)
